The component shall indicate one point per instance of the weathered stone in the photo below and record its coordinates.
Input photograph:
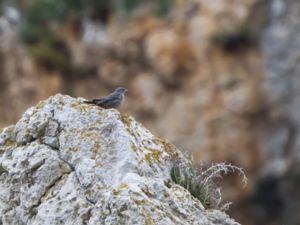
(102, 168)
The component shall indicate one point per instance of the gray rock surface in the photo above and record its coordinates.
(281, 48)
(70, 163)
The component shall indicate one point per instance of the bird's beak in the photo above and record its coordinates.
(125, 90)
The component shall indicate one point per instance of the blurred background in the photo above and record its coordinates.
(218, 78)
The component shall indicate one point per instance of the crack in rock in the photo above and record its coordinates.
(35, 206)
(72, 168)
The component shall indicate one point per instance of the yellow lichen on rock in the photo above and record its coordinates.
(153, 155)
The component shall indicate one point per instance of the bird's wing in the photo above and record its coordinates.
(113, 103)
(104, 100)
(101, 101)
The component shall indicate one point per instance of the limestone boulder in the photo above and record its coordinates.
(66, 162)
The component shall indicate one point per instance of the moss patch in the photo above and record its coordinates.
(11, 143)
(128, 122)
(40, 105)
(116, 192)
(148, 219)
(154, 155)
(134, 147)
(83, 108)
(10, 129)
(97, 147)
(170, 148)
(126, 119)
(139, 202)
(124, 185)
(2, 170)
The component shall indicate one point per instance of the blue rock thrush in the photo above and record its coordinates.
(112, 100)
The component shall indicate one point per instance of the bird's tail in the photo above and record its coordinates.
(88, 102)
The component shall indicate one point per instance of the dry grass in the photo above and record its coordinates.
(201, 181)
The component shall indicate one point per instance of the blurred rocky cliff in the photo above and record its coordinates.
(217, 78)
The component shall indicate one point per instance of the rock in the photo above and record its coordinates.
(66, 162)
(171, 55)
(280, 44)
(148, 95)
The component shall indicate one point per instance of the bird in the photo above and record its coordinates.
(112, 100)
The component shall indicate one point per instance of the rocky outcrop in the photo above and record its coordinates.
(281, 173)
(66, 162)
